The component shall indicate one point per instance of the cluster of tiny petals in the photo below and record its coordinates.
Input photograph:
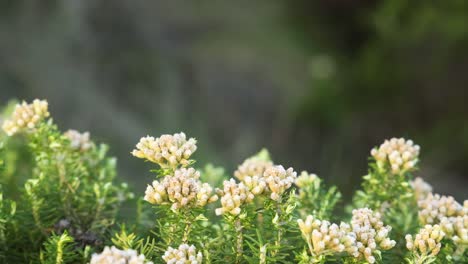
(400, 154)
(278, 180)
(26, 117)
(252, 167)
(449, 214)
(79, 141)
(183, 189)
(456, 228)
(257, 185)
(305, 179)
(185, 254)
(426, 242)
(370, 233)
(325, 238)
(233, 197)
(421, 188)
(112, 255)
(168, 151)
(435, 207)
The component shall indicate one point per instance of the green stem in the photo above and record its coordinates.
(239, 240)
(188, 226)
(187, 229)
(279, 233)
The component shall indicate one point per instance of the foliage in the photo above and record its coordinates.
(66, 211)
(69, 192)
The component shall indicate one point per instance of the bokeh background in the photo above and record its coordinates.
(318, 83)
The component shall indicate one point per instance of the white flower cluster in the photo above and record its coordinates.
(168, 151)
(183, 189)
(112, 255)
(278, 180)
(435, 207)
(263, 177)
(79, 141)
(449, 214)
(426, 242)
(185, 254)
(362, 239)
(257, 176)
(305, 179)
(324, 238)
(371, 234)
(400, 154)
(26, 116)
(421, 188)
(252, 167)
(233, 196)
(456, 228)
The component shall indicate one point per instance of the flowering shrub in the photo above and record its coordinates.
(67, 208)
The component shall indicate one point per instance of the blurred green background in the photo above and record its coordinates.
(318, 83)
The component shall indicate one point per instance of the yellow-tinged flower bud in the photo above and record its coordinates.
(426, 242)
(168, 151)
(233, 197)
(112, 255)
(79, 141)
(183, 189)
(26, 116)
(185, 254)
(399, 155)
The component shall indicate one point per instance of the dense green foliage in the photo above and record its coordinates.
(66, 210)
(68, 200)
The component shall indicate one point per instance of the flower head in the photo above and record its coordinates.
(325, 238)
(401, 155)
(421, 188)
(168, 151)
(451, 216)
(370, 233)
(112, 255)
(26, 117)
(252, 167)
(257, 185)
(79, 140)
(233, 197)
(185, 254)
(435, 207)
(278, 180)
(305, 179)
(456, 228)
(183, 189)
(426, 242)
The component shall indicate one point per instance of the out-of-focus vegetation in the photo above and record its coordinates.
(317, 82)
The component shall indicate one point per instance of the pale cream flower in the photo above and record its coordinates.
(256, 185)
(185, 254)
(183, 189)
(456, 229)
(168, 151)
(371, 234)
(278, 180)
(426, 242)
(435, 207)
(450, 215)
(112, 255)
(26, 116)
(401, 155)
(421, 188)
(305, 179)
(233, 197)
(252, 167)
(324, 238)
(79, 141)
(459, 235)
